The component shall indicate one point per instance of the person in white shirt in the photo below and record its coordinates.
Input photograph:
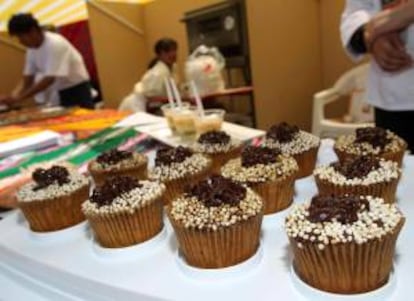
(52, 56)
(152, 83)
(384, 29)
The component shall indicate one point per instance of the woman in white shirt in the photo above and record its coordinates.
(152, 82)
(380, 28)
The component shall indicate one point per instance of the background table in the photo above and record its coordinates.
(68, 268)
(229, 93)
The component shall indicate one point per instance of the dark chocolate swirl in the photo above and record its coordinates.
(344, 209)
(214, 137)
(218, 190)
(167, 156)
(282, 132)
(252, 155)
(46, 177)
(113, 157)
(112, 188)
(375, 136)
(358, 167)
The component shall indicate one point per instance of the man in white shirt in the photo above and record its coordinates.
(390, 85)
(52, 56)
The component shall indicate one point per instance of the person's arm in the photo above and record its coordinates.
(357, 42)
(390, 20)
(387, 50)
(23, 85)
(356, 15)
(31, 90)
(27, 82)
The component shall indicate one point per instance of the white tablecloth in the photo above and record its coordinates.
(67, 267)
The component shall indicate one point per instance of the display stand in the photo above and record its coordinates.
(73, 269)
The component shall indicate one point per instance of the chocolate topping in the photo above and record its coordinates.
(217, 190)
(214, 137)
(344, 209)
(47, 177)
(166, 156)
(282, 132)
(113, 156)
(252, 155)
(112, 188)
(375, 136)
(358, 167)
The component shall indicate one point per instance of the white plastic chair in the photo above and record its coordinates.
(352, 83)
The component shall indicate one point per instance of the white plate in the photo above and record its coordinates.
(161, 132)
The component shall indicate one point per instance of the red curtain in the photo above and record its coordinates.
(79, 35)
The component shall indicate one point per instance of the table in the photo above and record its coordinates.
(84, 125)
(68, 267)
(82, 122)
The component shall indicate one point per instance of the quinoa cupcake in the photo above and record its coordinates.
(124, 211)
(365, 175)
(371, 141)
(118, 163)
(219, 146)
(177, 168)
(294, 142)
(344, 244)
(217, 223)
(268, 172)
(52, 201)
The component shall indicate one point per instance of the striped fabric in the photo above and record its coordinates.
(50, 12)
(77, 154)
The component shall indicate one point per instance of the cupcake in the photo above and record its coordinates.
(293, 142)
(52, 201)
(124, 211)
(365, 175)
(219, 146)
(177, 168)
(371, 141)
(217, 223)
(118, 163)
(271, 174)
(344, 244)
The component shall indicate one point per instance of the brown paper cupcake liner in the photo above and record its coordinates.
(55, 214)
(347, 268)
(175, 188)
(306, 162)
(219, 159)
(276, 195)
(138, 172)
(125, 229)
(397, 156)
(384, 190)
(224, 247)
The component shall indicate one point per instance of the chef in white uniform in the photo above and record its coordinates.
(380, 27)
(152, 83)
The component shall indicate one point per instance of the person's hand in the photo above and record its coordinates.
(390, 20)
(389, 52)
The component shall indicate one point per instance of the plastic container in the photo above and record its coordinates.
(211, 121)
